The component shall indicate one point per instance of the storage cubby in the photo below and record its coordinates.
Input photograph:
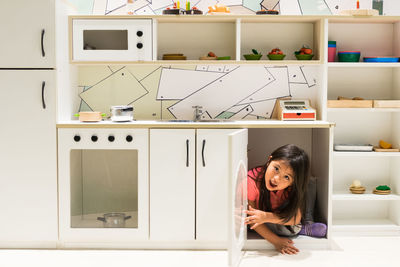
(369, 217)
(316, 142)
(375, 83)
(372, 37)
(196, 39)
(288, 35)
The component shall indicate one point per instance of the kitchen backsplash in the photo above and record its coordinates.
(168, 92)
(286, 7)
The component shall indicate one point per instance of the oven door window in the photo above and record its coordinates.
(104, 188)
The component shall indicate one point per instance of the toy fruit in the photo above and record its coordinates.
(385, 145)
(211, 54)
(305, 53)
(276, 54)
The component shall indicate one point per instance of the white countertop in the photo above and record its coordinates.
(192, 124)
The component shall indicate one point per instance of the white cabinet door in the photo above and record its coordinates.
(28, 167)
(172, 184)
(27, 34)
(237, 230)
(212, 181)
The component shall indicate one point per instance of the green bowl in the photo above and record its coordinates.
(349, 57)
(276, 57)
(224, 58)
(252, 57)
(304, 57)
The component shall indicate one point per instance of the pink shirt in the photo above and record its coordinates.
(253, 193)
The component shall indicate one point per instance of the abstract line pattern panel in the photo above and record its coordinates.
(170, 92)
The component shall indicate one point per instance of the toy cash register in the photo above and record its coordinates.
(295, 110)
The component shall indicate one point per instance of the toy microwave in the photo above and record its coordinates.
(296, 110)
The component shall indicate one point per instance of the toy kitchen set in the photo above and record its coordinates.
(161, 146)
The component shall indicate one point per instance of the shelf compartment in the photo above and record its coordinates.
(364, 128)
(288, 36)
(196, 39)
(370, 171)
(365, 227)
(369, 217)
(368, 83)
(374, 38)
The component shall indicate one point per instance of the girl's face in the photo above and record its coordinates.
(279, 175)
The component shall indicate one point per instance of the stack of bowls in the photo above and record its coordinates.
(349, 56)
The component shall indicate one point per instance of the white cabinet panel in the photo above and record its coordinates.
(25, 28)
(237, 230)
(212, 183)
(172, 184)
(28, 174)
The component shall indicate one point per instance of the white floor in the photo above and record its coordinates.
(358, 251)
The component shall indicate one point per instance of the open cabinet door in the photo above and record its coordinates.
(237, 195)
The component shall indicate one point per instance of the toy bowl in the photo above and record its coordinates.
(304, 57)
(349, 56)
(252, 57)
(276, 57)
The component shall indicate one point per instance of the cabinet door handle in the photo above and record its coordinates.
(202, 152)
(43, 53)
(43, 103)
(187, 152)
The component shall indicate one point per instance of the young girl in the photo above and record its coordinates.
(277, 195)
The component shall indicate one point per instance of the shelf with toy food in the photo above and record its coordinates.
(196, 39)
(291, 37)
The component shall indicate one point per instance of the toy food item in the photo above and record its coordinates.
(218, 8)
(305, 53)
(385, 145)
(357, 188)
(382, 190)
(276, 54)
(267, 12)
(255, 56)
(210, 56)
(175, 10)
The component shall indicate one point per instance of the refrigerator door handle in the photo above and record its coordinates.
(43, 102)
(42, 39)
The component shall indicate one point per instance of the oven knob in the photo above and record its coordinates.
(94, 138)
(111, 138)
(139, 45)
(129, 138)
(77, 138)
(139, 33)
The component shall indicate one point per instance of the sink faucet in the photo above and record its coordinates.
(197, 113)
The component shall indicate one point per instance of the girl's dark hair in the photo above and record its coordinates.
(298, 160)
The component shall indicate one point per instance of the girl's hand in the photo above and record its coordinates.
(285, 246)
(255, 217)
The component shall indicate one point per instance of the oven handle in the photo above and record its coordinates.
(187, 152)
